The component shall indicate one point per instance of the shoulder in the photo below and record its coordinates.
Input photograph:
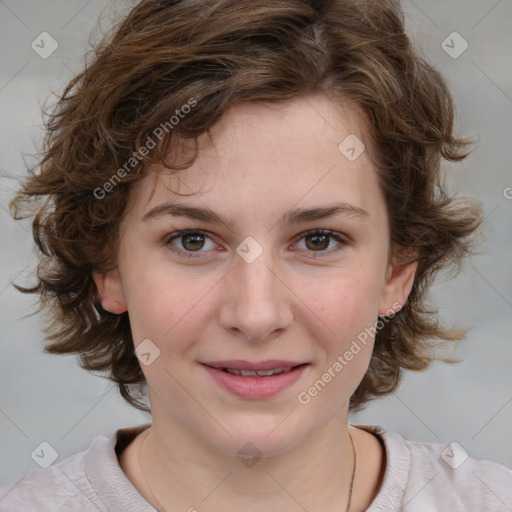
(89, 481)
(63, 486)
(435, 476)
(447, 474)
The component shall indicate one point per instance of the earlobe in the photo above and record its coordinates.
(399, 283)
(110, 291)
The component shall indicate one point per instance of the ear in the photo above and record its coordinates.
(399, 282)
(110, 291)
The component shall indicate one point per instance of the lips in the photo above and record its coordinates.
(261, 366)
(256, 380)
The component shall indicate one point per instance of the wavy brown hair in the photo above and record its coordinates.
(164, 54)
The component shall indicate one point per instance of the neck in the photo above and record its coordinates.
(182, 471)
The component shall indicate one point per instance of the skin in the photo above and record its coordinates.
(294, 301)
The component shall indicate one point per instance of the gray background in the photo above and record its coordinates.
(49, 398)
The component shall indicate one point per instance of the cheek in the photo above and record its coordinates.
(345, 302)
(344, 326)
(345, 311)
(164, 304)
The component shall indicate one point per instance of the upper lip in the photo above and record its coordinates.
(237, 364)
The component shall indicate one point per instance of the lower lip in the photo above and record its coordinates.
(256, 387)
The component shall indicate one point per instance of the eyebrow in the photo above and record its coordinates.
(292, 217)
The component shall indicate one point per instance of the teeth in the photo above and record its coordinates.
(268, 372)
(259, 373)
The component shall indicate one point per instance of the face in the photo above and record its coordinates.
(268, 286)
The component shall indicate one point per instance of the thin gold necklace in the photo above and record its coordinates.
(162, 509)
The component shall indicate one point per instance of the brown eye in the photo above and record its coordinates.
(319, 240)
(190, 242)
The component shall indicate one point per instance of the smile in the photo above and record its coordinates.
(259, 373)
(256, 383)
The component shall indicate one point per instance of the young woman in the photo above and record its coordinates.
(242, 214)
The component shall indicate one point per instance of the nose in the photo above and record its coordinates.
(255, 300)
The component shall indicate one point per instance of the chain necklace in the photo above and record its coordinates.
(162, 509)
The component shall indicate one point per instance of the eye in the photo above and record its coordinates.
(192, 241)
(319, 239)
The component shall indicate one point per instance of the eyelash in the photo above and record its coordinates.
(319, 232)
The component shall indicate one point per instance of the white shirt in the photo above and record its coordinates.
(417, 479)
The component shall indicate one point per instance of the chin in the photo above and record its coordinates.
(263, 438)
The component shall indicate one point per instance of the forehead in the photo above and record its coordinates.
(261, 156)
